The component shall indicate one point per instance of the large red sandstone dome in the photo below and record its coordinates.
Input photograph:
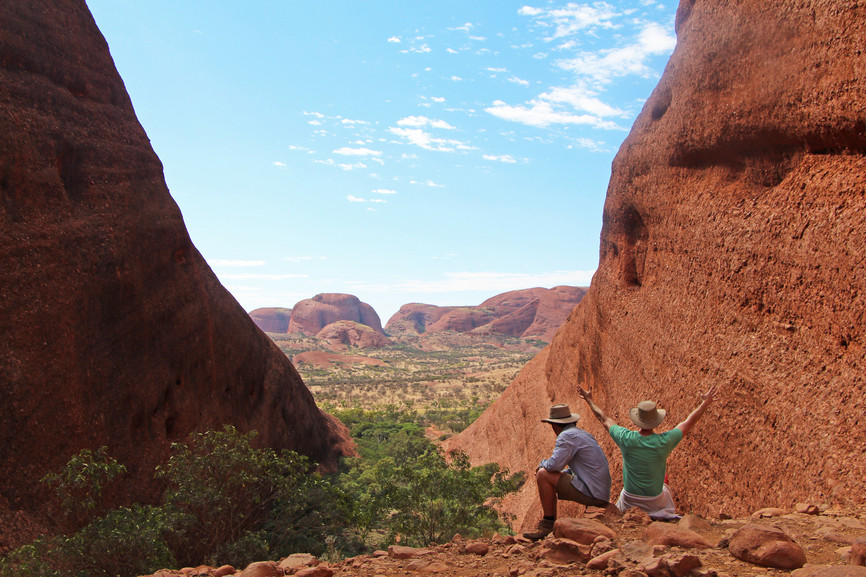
(113, 329)
(732, 253)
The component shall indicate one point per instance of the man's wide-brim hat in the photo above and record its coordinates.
(646, 415)
(561, 415)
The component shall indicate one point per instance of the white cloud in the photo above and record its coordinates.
(456, 78)
(603, 66)
(353, 122)
(451, 51)
(573, 18)
(279, 164)
(506, 158)
(223, 262)
(346, 151)
(491, 69)
(438, 99)
(530, 11)
(394, 39)
(520, 81)
(427, 182)
(352, 198)
(427, 141)
(419, 121)
(384, 191)
(541, 113)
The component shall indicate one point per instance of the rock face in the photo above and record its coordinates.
(732, 254)
(529, 313)
(272, 320)
(342, 334)
(312, 315)
(414, 318)
(113, 329)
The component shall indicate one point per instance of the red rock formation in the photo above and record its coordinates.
(512, 324)
(414, 318)
(113, 329)
(461, 320)
(272, 320)
(529, 313)
(312, 315)
(731, 254)
(342, 334)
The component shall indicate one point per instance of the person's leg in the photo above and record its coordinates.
(547, 482)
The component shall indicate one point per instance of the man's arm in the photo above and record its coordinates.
(606, 421)
(692, 419)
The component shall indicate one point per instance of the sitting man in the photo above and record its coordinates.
(645, 453)
(587, 478)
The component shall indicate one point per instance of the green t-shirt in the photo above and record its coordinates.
(644, 458)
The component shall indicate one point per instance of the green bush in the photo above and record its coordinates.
(78, 485)
(237, 503)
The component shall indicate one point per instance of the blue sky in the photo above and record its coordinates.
(437, 152)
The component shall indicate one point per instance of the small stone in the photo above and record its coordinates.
(807, 508)
(298, 560)
(636, 517)
(262, 569)
(769, 512)
(632, 573)
(767, 547)
(401, 552)
(601, 545)
(682, 565)
(858, 551)
(476, 548)
(600, 562)
(695, 523)
(659, 533)
(565, 551)
(581, 530)
(317, 571)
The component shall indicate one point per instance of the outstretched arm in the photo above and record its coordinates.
(692, 419)
(606, 421)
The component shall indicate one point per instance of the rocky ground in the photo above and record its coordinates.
(813, 541)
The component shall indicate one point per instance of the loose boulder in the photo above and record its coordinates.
(767, 547)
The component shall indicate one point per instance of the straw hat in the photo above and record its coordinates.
(561, 415)
(646, 415)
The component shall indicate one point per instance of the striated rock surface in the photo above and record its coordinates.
(342, 334)
(414, 318)
(529, 313)
(732, 254)
(272, 319)
(113, 329)
(310, 316)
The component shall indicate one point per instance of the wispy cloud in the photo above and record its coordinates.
(573, 18)
(427, 141)
(384, 191)
(346, 151)
(419, 121)
(279, 164)
(506, 158)
(603, 66)
(352, 198)
(394, 39)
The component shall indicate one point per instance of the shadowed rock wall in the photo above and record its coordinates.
(732, 253)
(113, 329)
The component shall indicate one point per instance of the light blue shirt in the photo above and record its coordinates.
(580, 452)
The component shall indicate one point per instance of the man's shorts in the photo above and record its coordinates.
(565, 490)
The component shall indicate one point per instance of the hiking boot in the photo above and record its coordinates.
(542, 530)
